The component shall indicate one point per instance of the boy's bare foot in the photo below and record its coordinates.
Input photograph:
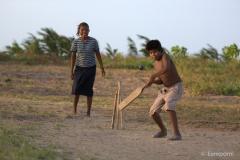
(160, 134)
(175, 138)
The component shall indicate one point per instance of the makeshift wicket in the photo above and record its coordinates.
(117, 114)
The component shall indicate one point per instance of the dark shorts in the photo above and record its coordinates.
(83, 81)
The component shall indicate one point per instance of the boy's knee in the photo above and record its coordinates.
(151, 113)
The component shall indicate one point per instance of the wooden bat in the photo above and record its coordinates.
(131, 97)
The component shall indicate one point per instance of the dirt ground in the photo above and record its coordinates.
(38, 96)
(92, 138)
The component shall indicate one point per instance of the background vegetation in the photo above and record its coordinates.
(206, 72)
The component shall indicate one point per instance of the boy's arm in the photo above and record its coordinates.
(163, 69)
(73, 60)
(99, 58)
(157, 81)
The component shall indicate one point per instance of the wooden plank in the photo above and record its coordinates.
(131, 97)
(114, 109)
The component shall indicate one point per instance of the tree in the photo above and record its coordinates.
(231, 52)
(53, 43)
(132, 48)
(32, 45)
(111, 52)
(179, 52)
(64, 45)
(209, 53)
(49, 43)
(143, 45)
(14, 49)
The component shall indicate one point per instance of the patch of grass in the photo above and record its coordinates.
(209, 77)
(17, 147)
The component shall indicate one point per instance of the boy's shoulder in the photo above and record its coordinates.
(163, 56)
(166, 56)
(90, 38)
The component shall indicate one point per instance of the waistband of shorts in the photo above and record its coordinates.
(178, 83)
(79, 67)
(166, 89)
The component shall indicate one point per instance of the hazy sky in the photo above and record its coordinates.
(189, 23)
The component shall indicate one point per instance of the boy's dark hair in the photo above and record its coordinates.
(154, 44)
(83, 24)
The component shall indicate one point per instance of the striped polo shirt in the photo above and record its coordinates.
(85, 51)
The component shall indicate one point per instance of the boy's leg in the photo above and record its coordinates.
(154, 109)
(173, 117)
(174, 94)
(76, 99)
(163, 131)
(157, 118)
(89, 105)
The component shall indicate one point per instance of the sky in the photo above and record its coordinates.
(189, 23)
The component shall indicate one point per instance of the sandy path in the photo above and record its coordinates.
(91, 138)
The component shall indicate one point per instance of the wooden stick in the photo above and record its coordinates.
(114, 109)
(118, 102)
(120, 112)
(121, 119)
